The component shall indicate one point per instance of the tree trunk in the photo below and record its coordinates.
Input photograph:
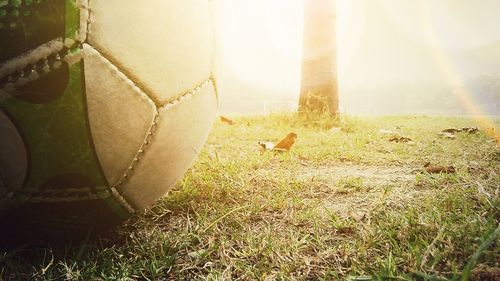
(319, 88)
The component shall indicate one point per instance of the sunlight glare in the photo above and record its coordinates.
(261, 42)
(455, 23)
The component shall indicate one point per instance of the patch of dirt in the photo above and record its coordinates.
(391, 186)
(372, 175)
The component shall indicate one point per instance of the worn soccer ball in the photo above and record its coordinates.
(104, 105)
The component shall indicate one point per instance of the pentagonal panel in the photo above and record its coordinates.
(164, 45)
(119, 114)
(178, 136)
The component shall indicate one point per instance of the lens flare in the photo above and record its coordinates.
(447, 67)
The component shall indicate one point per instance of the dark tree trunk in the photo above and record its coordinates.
(319, 88)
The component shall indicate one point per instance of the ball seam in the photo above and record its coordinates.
(20, 70)
(151, 132)
(35, 56)
(31, 72)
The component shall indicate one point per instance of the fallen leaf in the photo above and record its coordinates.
(400, 139)
(450, 130)
(286, 143)
(433, 169)
(470, 130)
(226, 120)
(346, 230)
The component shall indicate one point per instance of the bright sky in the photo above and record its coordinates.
(380, 42)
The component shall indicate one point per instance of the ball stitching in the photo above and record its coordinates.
(22, 70)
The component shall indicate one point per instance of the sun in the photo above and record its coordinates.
(260, 41)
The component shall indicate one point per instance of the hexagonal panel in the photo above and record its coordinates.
(177, 139)
(120, 115)
(164, 45)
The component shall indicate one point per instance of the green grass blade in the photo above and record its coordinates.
(466, 273)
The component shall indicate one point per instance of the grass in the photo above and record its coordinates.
(344, 204)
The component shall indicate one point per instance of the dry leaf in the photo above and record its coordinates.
(286, 143)
(470, 130)
(432, 169)
(451, 130)
(346, 230)
(226, 120)
(400, 139)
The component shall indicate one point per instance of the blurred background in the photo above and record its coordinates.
(394, 57)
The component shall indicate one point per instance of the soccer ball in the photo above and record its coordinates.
(104, 104)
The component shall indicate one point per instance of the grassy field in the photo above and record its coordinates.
(342, 204)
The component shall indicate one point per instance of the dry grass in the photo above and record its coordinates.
(340, 205)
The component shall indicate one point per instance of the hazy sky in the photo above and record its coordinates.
(381, 42)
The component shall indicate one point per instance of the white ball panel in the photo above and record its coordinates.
(165, 45)
(119, 114)
(179, 135)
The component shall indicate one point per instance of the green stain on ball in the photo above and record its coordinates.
(56, 131)
(51, 115)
